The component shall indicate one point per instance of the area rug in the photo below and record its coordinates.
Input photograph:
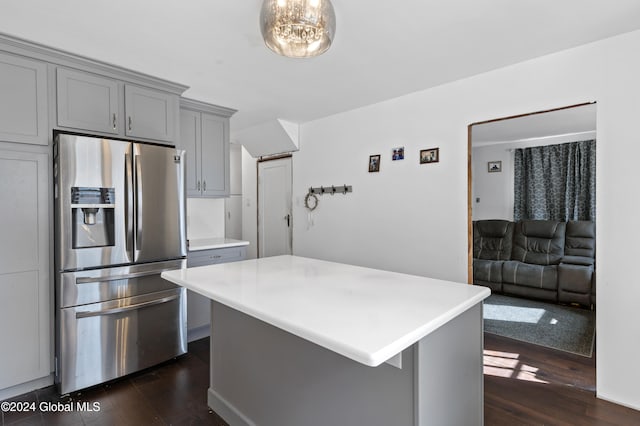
(559, 327)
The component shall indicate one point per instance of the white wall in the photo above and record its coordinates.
(495, 190)
(205, 218)
(249, 203)
(413, 218)
(492, 192)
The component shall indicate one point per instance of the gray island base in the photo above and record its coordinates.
(288, 350)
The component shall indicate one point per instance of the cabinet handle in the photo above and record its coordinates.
(130, 123)
(198, 186)
(204, 186)
(114, 121)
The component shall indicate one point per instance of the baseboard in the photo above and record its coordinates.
(22, 388)
(198, 333)
(614, 401)
(226, 410)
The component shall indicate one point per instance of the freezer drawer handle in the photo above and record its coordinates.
(87, 314)
(87, 280)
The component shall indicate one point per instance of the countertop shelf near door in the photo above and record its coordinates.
(199, 244)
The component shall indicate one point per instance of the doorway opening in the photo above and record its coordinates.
(496, 149)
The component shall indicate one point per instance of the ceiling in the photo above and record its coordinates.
(382, 49)
(580, 120)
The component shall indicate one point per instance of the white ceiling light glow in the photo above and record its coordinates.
(298, 28)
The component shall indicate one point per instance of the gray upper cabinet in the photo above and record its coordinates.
(23, 100)
(87, 101)
(214, 156)
(190, 141)
(101, 104)
(151, 114)
(204, 134)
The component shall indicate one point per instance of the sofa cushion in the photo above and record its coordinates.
(487, 270)
(530, 275)
(492, 239)
(539, 242)
(580, 239)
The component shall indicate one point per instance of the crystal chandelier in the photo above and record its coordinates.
(298, 28)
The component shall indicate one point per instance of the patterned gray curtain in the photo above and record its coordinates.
(556, 182)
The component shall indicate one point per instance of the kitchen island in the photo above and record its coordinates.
(298, 341)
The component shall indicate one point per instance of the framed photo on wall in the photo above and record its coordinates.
(431, 155)
(374, 163)
(397, 153)
(494, 166)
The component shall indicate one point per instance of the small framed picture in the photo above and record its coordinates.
(431, 155)
(494, 166)
(374, 163)
(397, 153)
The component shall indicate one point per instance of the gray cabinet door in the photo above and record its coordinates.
(87, 101)
(150, 114)
(24, 267)
(190, 137)
(215, 156)
(23, 100)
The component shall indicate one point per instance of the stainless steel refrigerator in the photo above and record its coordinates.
(119, 222)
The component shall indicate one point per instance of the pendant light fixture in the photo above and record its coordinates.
(298, 28)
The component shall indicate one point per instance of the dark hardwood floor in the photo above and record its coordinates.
(524, 385)
(174, 393)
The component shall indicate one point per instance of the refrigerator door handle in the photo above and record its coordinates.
(86, 314)
(138, 204)
(128, 204)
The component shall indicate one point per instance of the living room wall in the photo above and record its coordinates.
(492, 193)
(413, 218)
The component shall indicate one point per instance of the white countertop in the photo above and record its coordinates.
(364, 314)
(214, 243)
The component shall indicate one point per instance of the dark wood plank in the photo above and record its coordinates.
(527, 384)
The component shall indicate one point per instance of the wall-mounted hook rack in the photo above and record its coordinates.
(342, 189)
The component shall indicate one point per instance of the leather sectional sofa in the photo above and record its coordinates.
(541, 259)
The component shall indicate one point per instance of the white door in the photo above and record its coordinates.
(274, 207)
